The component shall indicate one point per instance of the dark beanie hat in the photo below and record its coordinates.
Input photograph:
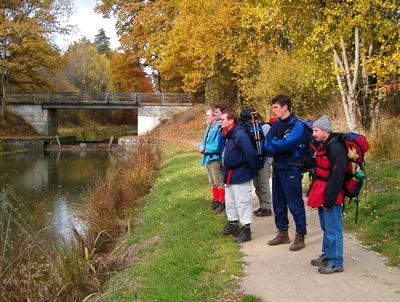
(323, 123)
(245, 114)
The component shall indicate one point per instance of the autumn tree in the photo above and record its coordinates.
(88, 70)
(361, 40)
(26, 29)
(143, 28)
(255, 49)
(128, 75)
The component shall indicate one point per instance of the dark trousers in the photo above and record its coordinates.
(287, 193)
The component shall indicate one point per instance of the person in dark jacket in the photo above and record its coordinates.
(240, 164)
(327, 195)
(283, 143)
(260, 182)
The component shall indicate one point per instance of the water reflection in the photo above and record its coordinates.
(48, 188)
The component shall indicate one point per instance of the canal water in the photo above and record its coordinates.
(44, 189)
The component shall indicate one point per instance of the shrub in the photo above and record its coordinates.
(386, 143)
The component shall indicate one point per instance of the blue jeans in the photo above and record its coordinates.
(332, 241)
(287, 193)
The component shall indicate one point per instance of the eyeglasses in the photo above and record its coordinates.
(207, 115)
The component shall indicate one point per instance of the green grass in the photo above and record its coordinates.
(379, 210)
(192, 262)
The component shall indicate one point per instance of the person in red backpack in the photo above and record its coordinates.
(327, 195)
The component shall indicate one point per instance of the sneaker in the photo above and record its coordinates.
(262, 213)
(330, 269)
(321, 261)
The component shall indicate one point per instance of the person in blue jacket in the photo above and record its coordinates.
(240, 164)
(211, 159)
(284, 144)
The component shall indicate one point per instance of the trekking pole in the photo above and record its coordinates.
(254, 120)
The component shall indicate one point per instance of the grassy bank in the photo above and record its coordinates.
(378, 224)
(182, 255)
(190, 261)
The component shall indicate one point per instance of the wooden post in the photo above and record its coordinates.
(58, 142)
(110, 143)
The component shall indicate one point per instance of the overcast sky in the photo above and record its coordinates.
(88, 24)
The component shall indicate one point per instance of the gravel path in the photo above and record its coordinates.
(276, 274)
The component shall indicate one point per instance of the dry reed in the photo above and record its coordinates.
(74, 271)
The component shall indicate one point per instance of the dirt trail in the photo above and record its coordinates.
(276, 274)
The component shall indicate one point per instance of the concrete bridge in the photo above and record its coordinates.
(40, 109)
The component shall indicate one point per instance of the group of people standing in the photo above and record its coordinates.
(234, 165)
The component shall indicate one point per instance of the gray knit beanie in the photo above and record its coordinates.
(323, 123)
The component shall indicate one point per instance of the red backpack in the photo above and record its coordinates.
(356, 146)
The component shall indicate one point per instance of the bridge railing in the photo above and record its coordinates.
(101, 97)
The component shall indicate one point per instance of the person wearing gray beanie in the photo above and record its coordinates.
(323, 123)
(326, 194)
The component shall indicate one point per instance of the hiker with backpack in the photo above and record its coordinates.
(211, 160)
(282, 143)
(252, 122)
(240, 164)
(327, 194)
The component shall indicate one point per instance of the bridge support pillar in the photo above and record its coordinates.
(44, 121)
(150, 116)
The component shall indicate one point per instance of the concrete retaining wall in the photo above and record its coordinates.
(36, 143)
(44, 121)
(149, 117)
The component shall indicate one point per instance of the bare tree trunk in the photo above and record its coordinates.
(347, 80)
(372, 95)
(4, 84)
(375, 114)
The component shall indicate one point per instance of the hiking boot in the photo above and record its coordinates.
(298, 243)
(220, 207)
(263, 212)
(281, 238)
(214, 205)
(232, 228)
(244, 235)
(321, 261)
(330, 269)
